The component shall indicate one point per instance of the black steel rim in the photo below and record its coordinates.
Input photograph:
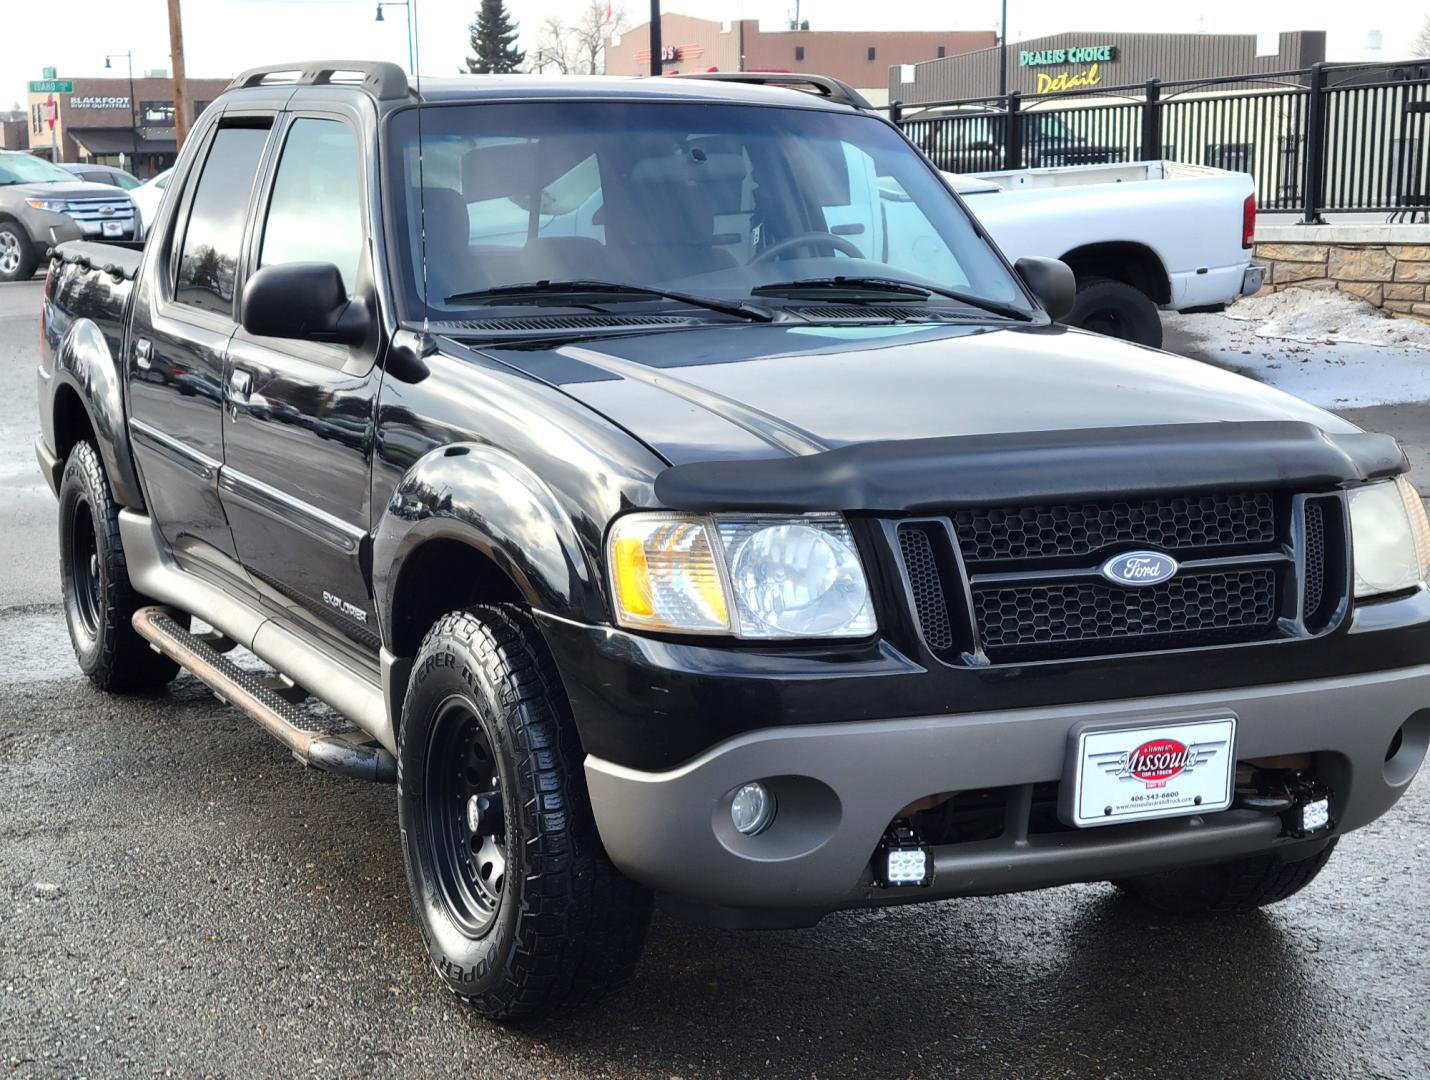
(84, 568)
(467, 849)
(1108, 322)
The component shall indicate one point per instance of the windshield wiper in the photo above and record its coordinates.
(880, 288)
(585, 291)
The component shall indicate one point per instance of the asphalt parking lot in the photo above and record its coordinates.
(177, 897)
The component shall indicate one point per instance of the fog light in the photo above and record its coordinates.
(1315, 815)
(903, 859)
(906, 866)
(752, 809)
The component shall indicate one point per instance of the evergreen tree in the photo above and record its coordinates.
(494, 41)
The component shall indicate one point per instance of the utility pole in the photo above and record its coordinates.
(655, 68)
(181, 86)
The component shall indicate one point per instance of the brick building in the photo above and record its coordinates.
(101, 122)
(860, 58)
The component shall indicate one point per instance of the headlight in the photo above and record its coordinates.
(54, 205)
(1391, 538)
(754, 577)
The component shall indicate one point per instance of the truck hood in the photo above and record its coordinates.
(73, 189)
(741, 391)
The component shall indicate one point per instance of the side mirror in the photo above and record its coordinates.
(306, 301)
(1051, 281)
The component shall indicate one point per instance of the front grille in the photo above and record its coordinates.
(1167, 523)
(1315, 572)
(926, 587)
(1015, 622)
(1017, 584)
(93, 210)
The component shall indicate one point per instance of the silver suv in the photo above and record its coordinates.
(42, 205)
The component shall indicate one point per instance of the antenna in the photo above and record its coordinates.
(421, 176)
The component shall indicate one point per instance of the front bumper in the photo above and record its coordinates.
(838, 786)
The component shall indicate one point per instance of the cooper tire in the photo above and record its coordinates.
(99, 601)
(1242, 885)
(1118, 310)
(539, 918)
(17, 254)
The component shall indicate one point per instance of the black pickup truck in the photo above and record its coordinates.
(667, 484)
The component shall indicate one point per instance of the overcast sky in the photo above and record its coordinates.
(224, 36)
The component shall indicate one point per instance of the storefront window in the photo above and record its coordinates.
(156, 113)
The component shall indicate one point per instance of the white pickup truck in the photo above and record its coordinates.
(1139, 236)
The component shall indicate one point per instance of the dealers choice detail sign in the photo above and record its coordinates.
(1068, 79)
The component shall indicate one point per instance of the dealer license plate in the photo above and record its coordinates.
(1152, 771)
(112, 228)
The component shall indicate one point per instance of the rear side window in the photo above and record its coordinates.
(208, 256)
(315, 211)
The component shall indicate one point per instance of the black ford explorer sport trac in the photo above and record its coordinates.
(671, 488)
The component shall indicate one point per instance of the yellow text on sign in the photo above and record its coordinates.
(1068, 80)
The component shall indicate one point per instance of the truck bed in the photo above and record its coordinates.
(1062, 176)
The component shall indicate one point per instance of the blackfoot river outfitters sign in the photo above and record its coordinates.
(1093, 55)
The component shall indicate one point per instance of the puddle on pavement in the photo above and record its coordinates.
(35, 647)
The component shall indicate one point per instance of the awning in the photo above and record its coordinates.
(100, 142)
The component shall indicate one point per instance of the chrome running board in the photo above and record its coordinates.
(154, 574)
(329, 743)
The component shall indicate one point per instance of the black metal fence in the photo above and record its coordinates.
(1332, 138)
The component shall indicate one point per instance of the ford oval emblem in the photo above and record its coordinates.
(1137, 569)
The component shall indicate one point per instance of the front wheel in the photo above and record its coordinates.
(1240, 885)
(520, 909)
(17, 254)
(1118, 310)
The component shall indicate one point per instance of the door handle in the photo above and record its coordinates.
(143, 350)
(240, 383)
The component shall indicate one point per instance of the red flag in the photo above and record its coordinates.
(608, 12)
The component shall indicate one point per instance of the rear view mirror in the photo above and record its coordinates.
(1051, 281)
(305, 301)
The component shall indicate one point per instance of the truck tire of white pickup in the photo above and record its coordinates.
(1118, 310)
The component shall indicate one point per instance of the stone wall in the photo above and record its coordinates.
(1388, 265)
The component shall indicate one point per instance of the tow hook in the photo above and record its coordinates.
(1303, 802)
(902, 858)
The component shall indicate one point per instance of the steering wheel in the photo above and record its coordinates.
(838, 243)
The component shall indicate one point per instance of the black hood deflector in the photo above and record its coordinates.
(919, 475)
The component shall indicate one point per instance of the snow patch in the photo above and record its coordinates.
(1332, 349)
(1326, 316)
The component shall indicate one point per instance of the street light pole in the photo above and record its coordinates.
(133, 118)
(407, 6)
(1003, 52)
(655, 62)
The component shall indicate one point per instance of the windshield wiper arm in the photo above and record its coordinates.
(534, 292)
(880, 288)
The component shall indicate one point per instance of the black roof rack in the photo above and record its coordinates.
(384, 81)
(824, 85)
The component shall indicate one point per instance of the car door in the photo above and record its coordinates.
(298, 430)
(183, 317)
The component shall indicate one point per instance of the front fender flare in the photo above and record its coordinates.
(488, 500)
(84, 363)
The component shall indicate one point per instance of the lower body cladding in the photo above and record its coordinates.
(980, 791)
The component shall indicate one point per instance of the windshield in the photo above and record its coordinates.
(715, 200)
(28, 169)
